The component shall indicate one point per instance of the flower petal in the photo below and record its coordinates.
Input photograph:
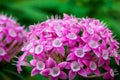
(62, 65)
(71, 56)
(34, 72)
(53, 78)
(72, 75)
(97, 72)
(6, 58)
(82, 72)
(33, 62)
(0, 58)
(61, 51)
(45, 72)
(50, 62)
(63, 75)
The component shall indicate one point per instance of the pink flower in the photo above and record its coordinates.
(69, 47)
(11, 38)
(54, 70)
(76, 68)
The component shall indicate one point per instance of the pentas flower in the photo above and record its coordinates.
(67, 47)
(11, 37)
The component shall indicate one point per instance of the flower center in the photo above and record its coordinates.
(90, 30)
(93, 44)
(29, 46)
(2, 51)
(55, 71)
(12, 33)
(75, 66)
(38, 49)
(93, 65)
(79, 52)
(57, 43)
(40, 65)
(72, 36)
(58, 28)
(105, 54)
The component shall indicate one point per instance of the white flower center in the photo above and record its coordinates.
(72, 36)
(105, 54)
(57, 43)
(12, 33)
(93, 44)
(75, 66)
(79, 52)
(58, 28)
(90, 30)
(40, 65)
(55, 71)
(29, 46)
(38, 49)
(112, 73)
(2, 51)
(93, 65)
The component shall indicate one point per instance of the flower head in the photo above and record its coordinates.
(67, 44)
(11, 37)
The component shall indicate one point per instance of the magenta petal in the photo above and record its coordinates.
(82, 72)
(45, 72)
(33, 62)
(97, 72)
(52, 78)
(0, 58)
(101, 62)
(86, 62)
(96, 51)
(63, 75)
(117, 60)
(19, 69)
(71, 56)
(50, 62)
(7, 58)
(62, 65)
(22, 56)
(72, 75)
(61, 51)
(107, 75)
(88, 71)
(34, 72)
(68, 65)
(8, 39)
(86, 48)
(107, 68)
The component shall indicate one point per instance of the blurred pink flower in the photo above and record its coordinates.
(11, 37)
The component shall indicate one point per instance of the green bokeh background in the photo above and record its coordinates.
(28, 12)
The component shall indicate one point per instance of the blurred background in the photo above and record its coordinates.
(29, 12)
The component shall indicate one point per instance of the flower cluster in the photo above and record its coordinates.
(11, 37)
(64, 48)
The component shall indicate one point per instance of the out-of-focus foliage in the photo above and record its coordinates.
(30, 12)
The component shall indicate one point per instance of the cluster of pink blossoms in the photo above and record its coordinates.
(11, 38)
(64, 48)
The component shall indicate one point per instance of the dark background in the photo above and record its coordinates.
(28, 12)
